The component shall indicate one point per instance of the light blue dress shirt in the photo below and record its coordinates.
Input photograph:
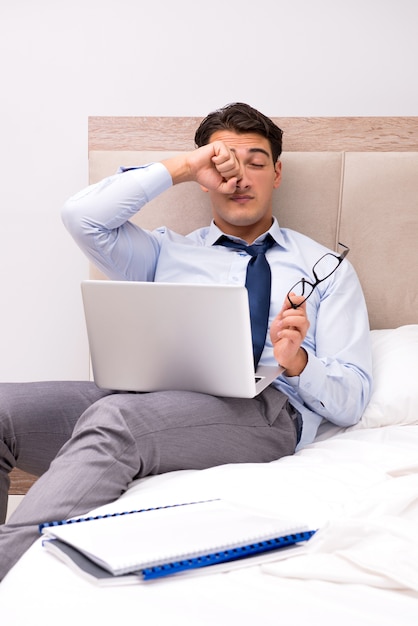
(336, 382)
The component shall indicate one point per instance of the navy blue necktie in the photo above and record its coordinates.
(258, 284)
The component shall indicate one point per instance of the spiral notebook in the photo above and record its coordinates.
(163, 541)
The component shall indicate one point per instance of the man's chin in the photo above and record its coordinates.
(240, 219)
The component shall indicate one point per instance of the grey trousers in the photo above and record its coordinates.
(87, 445)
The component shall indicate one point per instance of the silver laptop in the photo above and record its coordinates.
(146, 336)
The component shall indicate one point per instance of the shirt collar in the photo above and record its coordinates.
(214, 233)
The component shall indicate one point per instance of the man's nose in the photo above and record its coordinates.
(242, 182)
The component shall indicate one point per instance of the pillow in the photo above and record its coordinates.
(394, 397)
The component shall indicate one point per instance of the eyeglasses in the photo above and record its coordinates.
(322, 270)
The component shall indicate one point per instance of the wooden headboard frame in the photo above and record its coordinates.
(301, 134)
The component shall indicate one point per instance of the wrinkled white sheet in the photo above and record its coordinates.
(359, 487)
(374, 546)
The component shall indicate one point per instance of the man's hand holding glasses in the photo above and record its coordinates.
(288, 330)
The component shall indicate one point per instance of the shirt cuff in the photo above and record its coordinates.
(310, 378)
(309, 386)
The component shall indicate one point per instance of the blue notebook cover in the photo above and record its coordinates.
(159, 542)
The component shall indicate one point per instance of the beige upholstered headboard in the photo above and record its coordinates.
(353, 180)
(345, 179)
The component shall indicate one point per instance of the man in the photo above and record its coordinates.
(89, 444)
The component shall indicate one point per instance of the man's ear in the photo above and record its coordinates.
(278, 174)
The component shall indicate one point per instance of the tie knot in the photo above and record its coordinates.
(254, 250)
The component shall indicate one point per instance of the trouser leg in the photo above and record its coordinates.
(125, 436)
(36, 419)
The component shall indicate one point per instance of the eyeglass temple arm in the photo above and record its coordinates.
(344, 252)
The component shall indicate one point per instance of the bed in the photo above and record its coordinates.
(353, 180)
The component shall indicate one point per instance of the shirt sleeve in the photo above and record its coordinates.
(98, 219)
(337, 380)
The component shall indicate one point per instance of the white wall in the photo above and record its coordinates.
(63, 61)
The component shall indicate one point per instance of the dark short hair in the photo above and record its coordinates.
(240, 118)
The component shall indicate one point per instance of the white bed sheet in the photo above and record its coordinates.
(359, 487)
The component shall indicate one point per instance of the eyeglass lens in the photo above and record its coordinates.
(322, 269)
(325, 266)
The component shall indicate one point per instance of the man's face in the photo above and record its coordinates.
(247, 212)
